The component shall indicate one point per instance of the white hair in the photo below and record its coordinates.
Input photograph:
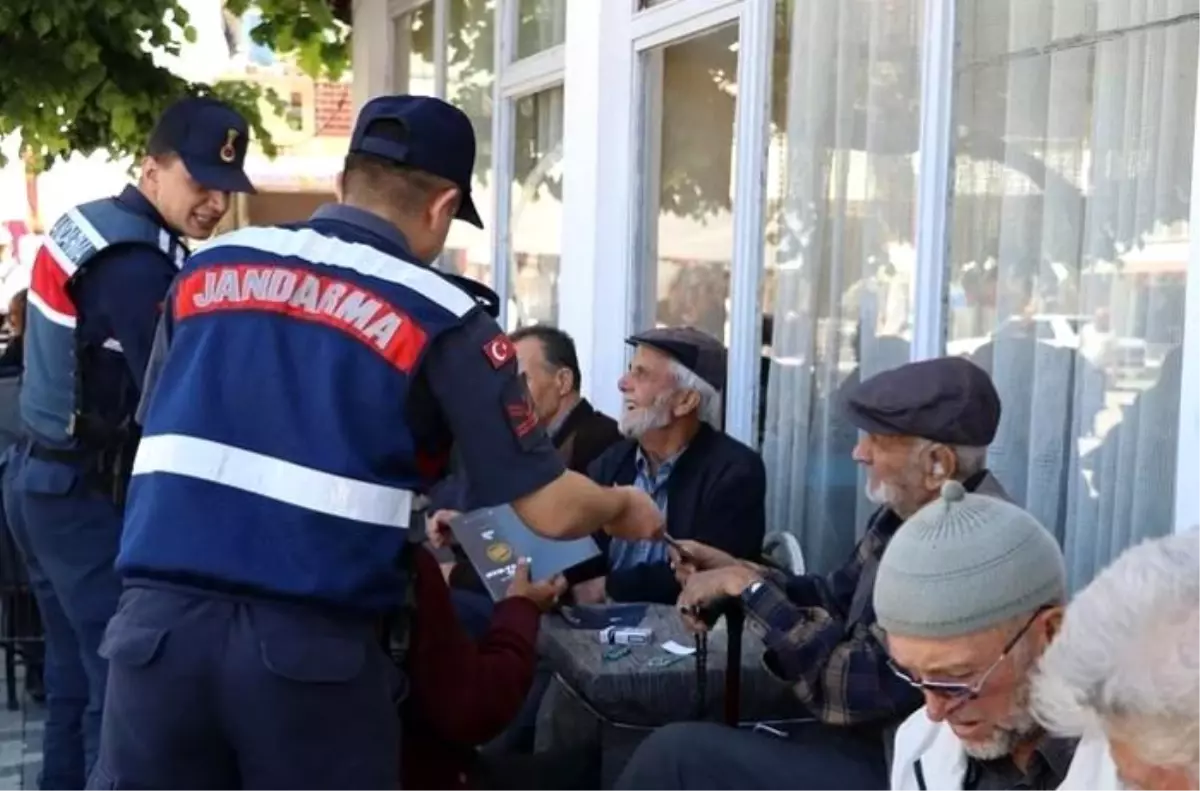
(971, 460)
(1128, 657)
(710, 399)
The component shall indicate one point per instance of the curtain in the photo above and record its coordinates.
(1068, 256)
(842, 200)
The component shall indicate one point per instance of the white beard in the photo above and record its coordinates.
(880, 493)
(634, 423)
(1020, 727)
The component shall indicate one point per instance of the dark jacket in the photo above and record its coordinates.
(716, 495)
(463, 693)
(584, 435)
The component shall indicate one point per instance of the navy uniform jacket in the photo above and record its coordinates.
(120, 297)
(331, 542)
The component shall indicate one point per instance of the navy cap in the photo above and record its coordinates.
(210, 137)
(441, 141)
(697, 351)
(947, 399)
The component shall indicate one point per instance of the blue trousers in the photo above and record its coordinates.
(68, 536)
(207, 691)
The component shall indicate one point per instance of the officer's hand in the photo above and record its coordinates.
(639, 520)
(437, 528)
(544, 594)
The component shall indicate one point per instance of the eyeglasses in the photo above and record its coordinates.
(958, 691)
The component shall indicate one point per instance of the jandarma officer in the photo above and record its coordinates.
(313, 379)
(94, 299)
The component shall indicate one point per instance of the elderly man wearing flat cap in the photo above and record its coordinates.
(922, 424)
(711, 487)
(970, 594)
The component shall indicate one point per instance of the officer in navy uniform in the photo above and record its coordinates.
(97, 287)
(313, 379)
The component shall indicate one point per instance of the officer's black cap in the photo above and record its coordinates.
(948, 399)
(440, 140)
(210, 137)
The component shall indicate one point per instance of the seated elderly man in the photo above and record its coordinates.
(924, 423)
(711, 487)
(1128, 662)
(970, 593)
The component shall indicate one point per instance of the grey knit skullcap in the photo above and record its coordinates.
(965, 563)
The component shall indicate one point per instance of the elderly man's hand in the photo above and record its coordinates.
(437, 528)
(689, 556)
(543, 594)
(706, 587)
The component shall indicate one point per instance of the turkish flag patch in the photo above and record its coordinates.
(499, 350)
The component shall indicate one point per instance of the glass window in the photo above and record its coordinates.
(541, 24)
(687, 235)
(1068, 255)
(536, 221)
(412, 69)
(470, 71)
(841, 199)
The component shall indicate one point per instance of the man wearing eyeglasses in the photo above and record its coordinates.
(922, 424)
(970, 593)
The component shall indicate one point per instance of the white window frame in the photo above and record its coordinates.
(1187, 468)
(515, 79)
(652, 30)
(397, 9)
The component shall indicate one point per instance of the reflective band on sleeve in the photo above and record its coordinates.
(280, 480)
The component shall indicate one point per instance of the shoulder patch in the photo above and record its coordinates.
(499, 350)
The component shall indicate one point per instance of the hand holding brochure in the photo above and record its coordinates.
(493, 539)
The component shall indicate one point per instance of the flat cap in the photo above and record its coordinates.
(697, 351)
(947, 399)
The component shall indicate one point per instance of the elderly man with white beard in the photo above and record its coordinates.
(710, 487)
(1128, 663)
(970, 592)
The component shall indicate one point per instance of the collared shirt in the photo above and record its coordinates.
(560, 421)
(822, 637)
(627, 554)
(1048, 767)
(364, 220)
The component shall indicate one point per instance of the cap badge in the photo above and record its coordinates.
(228, 152)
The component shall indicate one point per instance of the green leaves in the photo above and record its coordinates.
(76, 74)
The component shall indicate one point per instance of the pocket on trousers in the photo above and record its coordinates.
(313, 659)
(48, 477)
(131, 645)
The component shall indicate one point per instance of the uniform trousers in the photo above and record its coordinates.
(213, 691)
(68, 534)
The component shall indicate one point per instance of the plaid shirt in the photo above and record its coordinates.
(822, 636)
(834, 657)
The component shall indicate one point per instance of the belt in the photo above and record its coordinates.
(64, 455)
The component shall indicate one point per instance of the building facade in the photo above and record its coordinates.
(837, 186)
